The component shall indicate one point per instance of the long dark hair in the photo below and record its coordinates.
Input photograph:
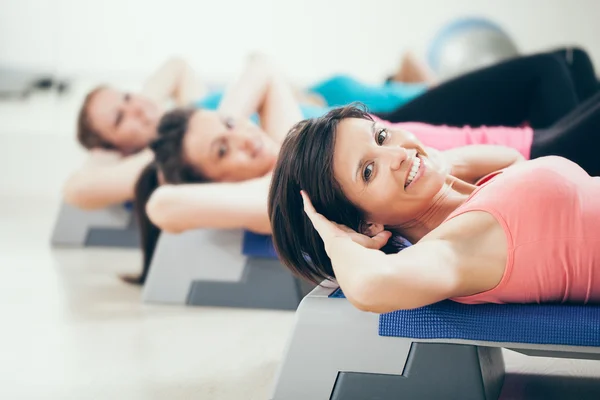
(149, 233)
(306, 162)
(170, 163)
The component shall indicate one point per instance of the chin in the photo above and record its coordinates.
(268, 166)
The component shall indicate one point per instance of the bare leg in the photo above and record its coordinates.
(412, 70)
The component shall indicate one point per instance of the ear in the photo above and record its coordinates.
(371, 229)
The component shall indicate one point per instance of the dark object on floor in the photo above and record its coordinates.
(22, 83)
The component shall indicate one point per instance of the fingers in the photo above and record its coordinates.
(308, 207)
(317, 220)
(376, 242)
(380, 240)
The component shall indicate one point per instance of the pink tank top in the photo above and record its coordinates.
(442, 137)
(549, 209)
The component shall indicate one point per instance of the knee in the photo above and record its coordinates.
(580, 55)
(553, 63)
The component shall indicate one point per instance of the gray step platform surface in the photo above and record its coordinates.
(465, 373)
(335, 352)
(206, 267)
(109, 227)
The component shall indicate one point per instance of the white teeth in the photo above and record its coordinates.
(413, 171)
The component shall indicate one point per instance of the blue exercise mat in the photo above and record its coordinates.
(255, 245)
(569, 325)
(554, 324)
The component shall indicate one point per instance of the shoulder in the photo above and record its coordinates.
(466, 231)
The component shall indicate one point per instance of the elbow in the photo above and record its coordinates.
(364, 294)
(372, 293)
(73, 196)
(367, 302)
(160, 209)
(79, 196)
(259, 224)
(519, 158)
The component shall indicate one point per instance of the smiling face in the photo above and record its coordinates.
(386, 173)
(126, 121)
(228, 150)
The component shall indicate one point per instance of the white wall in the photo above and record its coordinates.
(310, 38)
(120, 39)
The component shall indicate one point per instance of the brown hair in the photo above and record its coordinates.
(87, 135)
(306, 162)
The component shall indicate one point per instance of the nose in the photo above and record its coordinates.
(137, 110)
(251, 145)
(397, 156)
(247, 141)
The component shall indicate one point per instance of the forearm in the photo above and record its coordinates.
(177, 208)
(376, 282)
(280, 110)
(264, 90)
(99, 186)
(471, 163)
(175, 80)
(246, 95)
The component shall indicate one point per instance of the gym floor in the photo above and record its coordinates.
(72, 330)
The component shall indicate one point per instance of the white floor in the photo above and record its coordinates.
(70, 329)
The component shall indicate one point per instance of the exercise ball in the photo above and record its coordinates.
(468, 44)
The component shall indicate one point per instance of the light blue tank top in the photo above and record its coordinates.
(212, 100)
(341, 90)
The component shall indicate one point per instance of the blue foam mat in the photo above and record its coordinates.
(337, 294)
(573, 325)
(553, 324)
(255, 245)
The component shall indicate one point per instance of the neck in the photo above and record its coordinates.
(453, 195)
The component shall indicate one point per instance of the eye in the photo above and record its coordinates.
(368, 172)
(222, 150)
(381, 136)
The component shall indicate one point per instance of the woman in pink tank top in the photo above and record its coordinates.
(528, 234)
(574, 137)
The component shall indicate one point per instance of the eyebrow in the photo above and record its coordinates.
(361, 160)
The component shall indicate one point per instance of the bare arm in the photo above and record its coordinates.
(176, 208)
(471, 163)
(107, 178)
(422, 274)
(372, 281)
(175, 80)
(263, 89)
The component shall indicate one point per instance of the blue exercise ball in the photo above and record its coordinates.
(468, 44)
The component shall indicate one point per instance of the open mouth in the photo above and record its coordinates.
(414, 171)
